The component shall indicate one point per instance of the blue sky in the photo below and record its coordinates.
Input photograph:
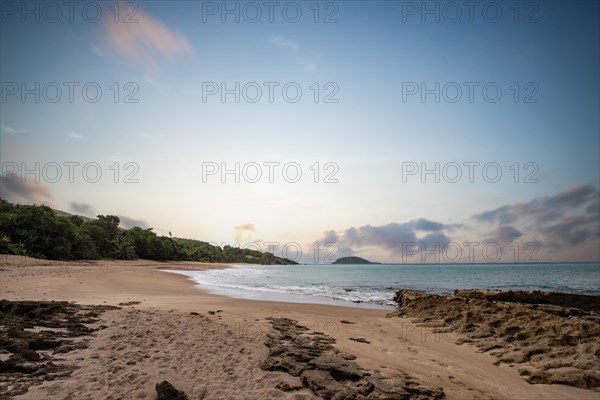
(374, 51)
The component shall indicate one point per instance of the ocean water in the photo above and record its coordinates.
(374, 285)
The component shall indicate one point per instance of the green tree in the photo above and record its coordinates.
(8, 247)
(123, 247)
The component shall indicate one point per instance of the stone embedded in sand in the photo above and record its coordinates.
(287, 387)
(359, 340)
(129, 303)
(166, 391)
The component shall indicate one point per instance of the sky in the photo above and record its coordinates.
(397, 131)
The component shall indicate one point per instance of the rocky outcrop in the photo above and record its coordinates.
(549, 337)
(565, 300)
(32, 332)
(332, 374)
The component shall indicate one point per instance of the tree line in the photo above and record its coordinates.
(38, 231)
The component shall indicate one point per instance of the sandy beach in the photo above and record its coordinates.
(212, 347)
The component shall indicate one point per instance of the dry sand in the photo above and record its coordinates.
(218, 355)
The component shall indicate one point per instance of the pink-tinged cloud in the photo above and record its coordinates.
(146, 41)
(16, 190)
(241, 229)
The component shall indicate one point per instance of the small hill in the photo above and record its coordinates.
(44, 233)
(353, 260)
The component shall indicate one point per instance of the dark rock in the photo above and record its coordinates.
(338, 367)
(359, 340)
(70, 347)
(322, 384)
(286, 387)
(166, 391)
(29, 360)
(129, 303)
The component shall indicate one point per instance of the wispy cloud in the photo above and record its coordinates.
(283, 41)
(8, 130)
(147, 41)
(72, 35)
(161, 88)
(97, 50)
(541, 210)
(75, 135)
(310, 67)
(304, 57)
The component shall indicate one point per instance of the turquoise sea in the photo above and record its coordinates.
(374, 285)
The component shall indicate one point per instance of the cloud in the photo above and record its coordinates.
(146, 41)
(8, 130)
(541, 210)
(73, 36)
(308, 60)
(310, 67)
(128, 222)
(161, 88)
(423, 224)
(240, 229)
(97, 50)
(504, 234)
(75, 135)
(281, 40)
(572, 197)
(566, 219)
(392, 238)
(593, 206)
(572, 230)
(82, 208)
(330, 236)
(15, 190)
(555, 223)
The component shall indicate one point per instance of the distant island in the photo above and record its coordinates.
(353, 260)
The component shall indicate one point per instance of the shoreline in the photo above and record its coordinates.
(167, 299)
(277, 297)
(376, 294)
